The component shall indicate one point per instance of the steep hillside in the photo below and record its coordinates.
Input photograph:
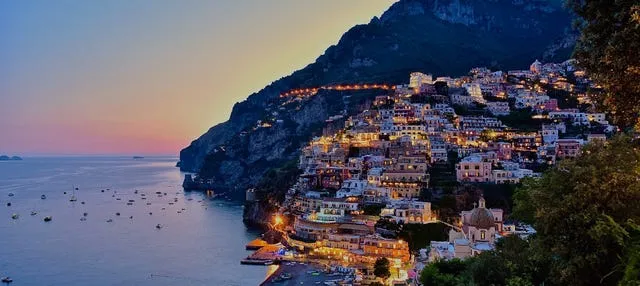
(442, 37)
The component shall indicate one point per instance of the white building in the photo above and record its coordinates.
(417, 79)
(351, 188)
(536, 67)
(474, 90)
(498, 108)
(408, 211)
(549, 134)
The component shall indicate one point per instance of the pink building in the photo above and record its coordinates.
(550, 105)
(474, 168)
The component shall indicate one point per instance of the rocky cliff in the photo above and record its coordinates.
(442, 37)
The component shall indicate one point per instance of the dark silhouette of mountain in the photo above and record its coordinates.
(441, 37)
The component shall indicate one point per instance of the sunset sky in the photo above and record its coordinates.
(147, 77)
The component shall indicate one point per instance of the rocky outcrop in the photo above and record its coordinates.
(443, 37)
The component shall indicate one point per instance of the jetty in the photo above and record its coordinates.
(256, 244)
(265, 255)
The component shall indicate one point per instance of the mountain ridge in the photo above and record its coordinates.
(441, 37)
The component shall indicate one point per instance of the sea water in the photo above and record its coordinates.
(200, 245)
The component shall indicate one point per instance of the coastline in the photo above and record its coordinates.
(307, 273)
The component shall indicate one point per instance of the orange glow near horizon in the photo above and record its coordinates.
(134, 78)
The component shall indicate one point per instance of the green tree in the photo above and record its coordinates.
(585, 210)
(489, 268)
(445, 273)
(608, 50)
(381, 268)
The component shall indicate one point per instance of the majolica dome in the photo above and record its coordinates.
(481, 217)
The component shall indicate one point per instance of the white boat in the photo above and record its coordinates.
(6, 279)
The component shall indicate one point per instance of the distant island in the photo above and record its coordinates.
(138, 157)
(7, 158)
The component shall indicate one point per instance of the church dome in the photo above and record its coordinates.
(481, 217)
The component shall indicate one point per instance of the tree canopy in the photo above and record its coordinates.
(381, 268)
(585, 212)
(608, 49)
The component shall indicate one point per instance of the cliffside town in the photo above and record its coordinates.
(371, 176)
(444, 37)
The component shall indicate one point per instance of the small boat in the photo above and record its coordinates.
(117, 214)
(129, 204)
(102, 191)
(48, 218)
(131, 217)
(43, 197)
(73, 195)
(150, 213)
(34, 213)
(8, 204)
(131, 201)
(286, 276)
(15, 216)
(11, 194)
(109, 220)
(6, 279)
(135, 192)
(148, 204)
(85, 214)
(83, 219)
(82, 203)
(158, 226)
(143, 198)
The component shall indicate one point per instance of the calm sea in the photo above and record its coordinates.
(200, 245)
